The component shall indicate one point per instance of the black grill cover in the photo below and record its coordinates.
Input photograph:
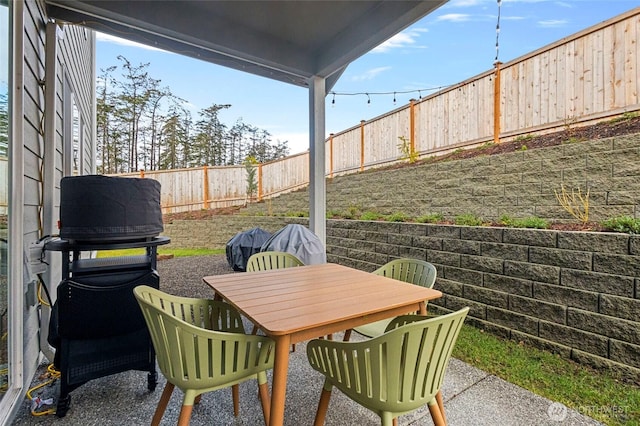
(103, 208)
(240, 248)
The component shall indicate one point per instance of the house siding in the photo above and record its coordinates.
(74, 66)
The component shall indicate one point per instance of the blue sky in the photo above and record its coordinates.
(452, 44)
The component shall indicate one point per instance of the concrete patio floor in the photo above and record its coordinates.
(472, 397)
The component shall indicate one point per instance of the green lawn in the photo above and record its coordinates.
(597, 394)
(176, 252)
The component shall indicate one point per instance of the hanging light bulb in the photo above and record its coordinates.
(368, 99)
(333, 101)
(394, 98)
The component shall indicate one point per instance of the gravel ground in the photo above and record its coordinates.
(182, 276)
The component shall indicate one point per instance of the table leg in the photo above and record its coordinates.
(279, 386)
(423, 308)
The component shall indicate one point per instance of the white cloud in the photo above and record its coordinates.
(405, 39)
(298, 142)
(106, 38)
(370, 74)
(553, 23)
(454, 17)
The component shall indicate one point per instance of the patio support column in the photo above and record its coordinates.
(317, 187)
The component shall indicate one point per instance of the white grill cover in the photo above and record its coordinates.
(299, 241)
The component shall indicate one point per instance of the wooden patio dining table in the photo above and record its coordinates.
(292, 305)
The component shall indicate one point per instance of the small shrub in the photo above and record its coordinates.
(624, 224)
(332, 214)
(575, 203)
(624, 117)
(352, 212)
(297, 214)
(523, 138)
(468, 219)
(523, 148)
(430, 218)
(370, 216)
(405, 149)
(396, 217)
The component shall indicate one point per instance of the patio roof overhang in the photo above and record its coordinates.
(305, 43)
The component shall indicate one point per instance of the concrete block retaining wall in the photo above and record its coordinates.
(575, 293)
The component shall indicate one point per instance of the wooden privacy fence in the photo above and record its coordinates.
(590, 76)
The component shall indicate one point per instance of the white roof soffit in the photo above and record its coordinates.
(289, 41)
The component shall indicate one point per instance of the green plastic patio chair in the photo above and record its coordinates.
(414, 271)
(266, 260)
(392, 374)
(201, 346)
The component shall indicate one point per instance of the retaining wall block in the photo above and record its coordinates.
(453, 288)
(509, 285)
(612, 243)
(479, 233)
(626, 371)
(625, 353)
(506, 251)
(476, 309)
(620, 329)
(514, 320)
(530, 237)
(465, 276)
(621, 307)
(481, 263)
(443, 258)
(542, 273)
(586, 300)
(544, 344)
(616, 264)
(486, 296)
(539, 309)
(594, 281)
(590, 342)
(388, 249)
(461, 246)
(571, 259)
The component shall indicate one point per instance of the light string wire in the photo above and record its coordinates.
(394, 93)
(498, 33)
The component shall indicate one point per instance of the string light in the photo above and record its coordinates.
(395, 94)
(498, 32)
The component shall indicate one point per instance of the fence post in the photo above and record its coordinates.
(330, 155)
(412, 125)
(205, 177)
(362, 144)
(142, 173)
(496, 104)
(260, 193)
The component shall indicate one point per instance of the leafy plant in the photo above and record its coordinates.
(575, 203)
(333, 214)
(626, 224)
(397, 217)
(408, 154)
(430, 218)
(352, 212)
(523, 138)
(369, 215)
(626, 116)
(528, 222)
(297, 214)
(250, 166)
(468, 219)
(523, 148)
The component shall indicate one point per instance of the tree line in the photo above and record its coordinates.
(144, 126)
